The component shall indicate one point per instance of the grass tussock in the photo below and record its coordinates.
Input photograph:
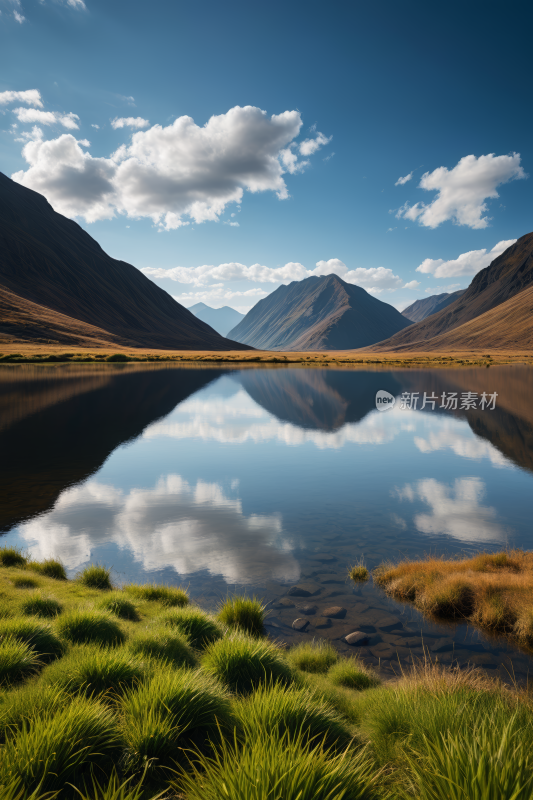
(243, 663)
(39, 636)
(95, 576)
(39, 605)
(169, 596)
(119, 605)
(492, 590)
(352, 674)
(245, 613)
(50, 567)
(199, 628)
(358, 573)
(12, 557)
(89, 626)
(17, 660)
(165, 645)
(96, 671)
(315, 656)
(24, 582)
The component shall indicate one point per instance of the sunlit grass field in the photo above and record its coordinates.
(134, 693)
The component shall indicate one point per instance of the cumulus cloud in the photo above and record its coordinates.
(29, 115)
(93, 125)
(373, 279)
(412, 285)
(455, 511)
(468, 263)
(19, 17)
(168, 173)
(401, 181)
(216, 296)
(129, 122)
(31, 97)
(310, 146)
(34, 135)
(462, 191)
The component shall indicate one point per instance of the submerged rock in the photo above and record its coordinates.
(308, 610)
(300, 624)
(304, 590)
(336, 612)
(356, 638)
(322, 622)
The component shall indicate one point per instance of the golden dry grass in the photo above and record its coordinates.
(493, 591)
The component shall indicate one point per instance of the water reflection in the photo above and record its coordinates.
(188, 528)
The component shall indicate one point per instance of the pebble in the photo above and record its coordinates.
(322, 622)
(337, 612)
(308, 610)
(356, 638)
(304, 590)
(300, 624)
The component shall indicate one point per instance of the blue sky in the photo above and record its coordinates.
(225, 148)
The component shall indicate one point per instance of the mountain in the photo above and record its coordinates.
(502, 282)
(318, 313)
(221, 319)
(421, 309)
(58, 285)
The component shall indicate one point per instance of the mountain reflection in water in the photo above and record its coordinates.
(266, 477)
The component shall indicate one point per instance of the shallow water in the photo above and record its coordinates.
(267, 478)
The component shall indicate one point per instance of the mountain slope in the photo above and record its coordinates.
(427, 306)
(504, 278)
(222, 320)
(318, 313)
(51, 261)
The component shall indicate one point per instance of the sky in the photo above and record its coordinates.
(227, 148)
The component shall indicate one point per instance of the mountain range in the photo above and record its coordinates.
(221, 319)
(58, 286)
(494, 312)
(427, 306)
(318, 313)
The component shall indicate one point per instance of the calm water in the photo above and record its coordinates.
(264, 479)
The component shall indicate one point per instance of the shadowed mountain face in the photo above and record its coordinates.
(490, 313)
(318, 314)
(421, 309)
(60, 425)
(221, 319)
(59, 286)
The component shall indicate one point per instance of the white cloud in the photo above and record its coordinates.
(455, 511)
(34, 135)
(462, 191)
(216, 296)
(473, 448)
(468, 263)
(129, 122)
(412, 285)
(401, 181)
(32, 97)
(373, 279)
(19, 17)
(76, 4)
(29, 115)
(93, 125)
(168, 173)
(310, 146)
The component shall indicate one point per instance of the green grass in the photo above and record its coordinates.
(166, 595)
(95, 576)
(120, 606)
(358, 573)
(242, 663)
(245, 613)
(114, 789)
(17, 660)
(315, 656)
(25, 582)
(268, 767)
(39, 605)
(165, 645)
(53, 749)
(12, 557)
(97, 671)
(283, 709)
(29, 701)
(174, 711)
(351, 673)
(38, 636)
(200, 628)
(50, 567)
(83, 627)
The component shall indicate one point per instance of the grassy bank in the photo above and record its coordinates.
(493, 591)
(125, 693)
(31, 354)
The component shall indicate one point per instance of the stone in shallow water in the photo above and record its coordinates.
(322, 622)
(283, 603)
(304, 590)
(300, 624)
(336, 612)
(307, 610)
(356, 638)
(443, 645)
(388, 623)
(325, 558)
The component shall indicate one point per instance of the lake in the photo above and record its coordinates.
(264, 479)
